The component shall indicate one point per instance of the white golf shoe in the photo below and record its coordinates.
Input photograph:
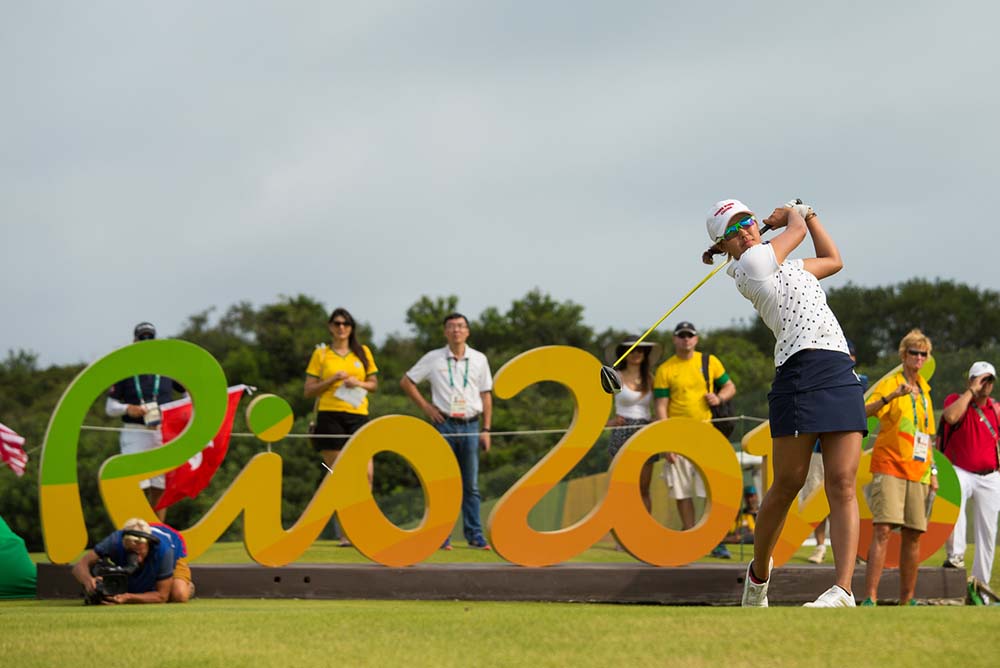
(834, 597)
(755, 595)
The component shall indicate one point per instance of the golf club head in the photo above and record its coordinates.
(610, 382)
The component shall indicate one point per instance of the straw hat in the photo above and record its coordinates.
(615, 350)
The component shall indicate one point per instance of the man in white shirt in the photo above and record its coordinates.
(461, 408)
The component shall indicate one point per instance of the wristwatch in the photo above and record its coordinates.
(933, 470)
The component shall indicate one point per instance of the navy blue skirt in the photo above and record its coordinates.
(815, 392)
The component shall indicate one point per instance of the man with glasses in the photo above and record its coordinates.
(681, 390)
(461, 408)
(970, 428)
(137, 401)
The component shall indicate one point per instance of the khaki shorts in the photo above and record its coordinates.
(899, 502)
(683, 479)
(182, 570)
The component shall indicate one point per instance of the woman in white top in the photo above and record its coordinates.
(633, 404)
(815, 394)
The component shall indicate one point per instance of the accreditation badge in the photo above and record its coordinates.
(921, 445)
(152, 416)
(458, 406)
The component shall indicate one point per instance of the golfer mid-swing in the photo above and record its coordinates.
(815, 394)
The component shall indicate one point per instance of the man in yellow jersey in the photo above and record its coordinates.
(681, 390)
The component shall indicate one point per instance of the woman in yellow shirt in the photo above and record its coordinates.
(902, 466)
(340, 376)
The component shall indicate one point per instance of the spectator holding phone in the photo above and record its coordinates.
(971, 424)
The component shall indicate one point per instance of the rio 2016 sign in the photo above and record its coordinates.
(256, 491)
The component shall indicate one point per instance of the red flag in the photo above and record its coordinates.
(194, 475)
(12, 450)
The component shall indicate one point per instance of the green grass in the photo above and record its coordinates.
(260, 633)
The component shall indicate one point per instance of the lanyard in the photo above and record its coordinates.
(982, 416)
(451, 381)
(923, 399)
(156, 388)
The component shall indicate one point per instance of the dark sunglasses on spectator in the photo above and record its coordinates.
(988, 379)
(341, 323)
(918, 353)
(685, 335)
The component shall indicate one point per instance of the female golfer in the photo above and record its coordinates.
(815, 393)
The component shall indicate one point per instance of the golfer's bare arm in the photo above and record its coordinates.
(827, 261)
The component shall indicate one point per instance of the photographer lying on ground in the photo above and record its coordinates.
(137, 564)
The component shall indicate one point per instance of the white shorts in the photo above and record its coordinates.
(137, 438)
(683, 479)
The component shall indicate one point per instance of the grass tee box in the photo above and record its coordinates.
(211, 633)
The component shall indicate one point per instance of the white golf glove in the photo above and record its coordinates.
(801, 209)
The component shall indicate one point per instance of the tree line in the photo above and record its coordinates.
(269, 346)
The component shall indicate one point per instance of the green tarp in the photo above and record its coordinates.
(17, 570)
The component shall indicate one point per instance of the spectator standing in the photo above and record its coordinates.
(902, 466)
(461, 408)
(137, 401)
(633, 404)
(969, 440)
(340, 376)
(680, 391)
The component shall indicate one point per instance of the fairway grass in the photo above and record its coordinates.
(259, 633)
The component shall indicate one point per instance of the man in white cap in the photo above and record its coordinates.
(971, 422)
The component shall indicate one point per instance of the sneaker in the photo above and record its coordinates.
(480, 544)
(344, 542)
(721, 552)
(446, 545)
(818, 555)
(869, 603)
(834, 597)
(954, 561)
(755, 595)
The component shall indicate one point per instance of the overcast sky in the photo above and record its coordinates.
(160, 158)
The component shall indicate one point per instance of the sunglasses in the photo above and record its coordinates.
(685, 335)
(918, 353)
(342, 323)
(734, 229)
(988, 379)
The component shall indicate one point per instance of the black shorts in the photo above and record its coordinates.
(816, 392)
(336, 423)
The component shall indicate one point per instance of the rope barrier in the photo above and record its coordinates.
(521, 432)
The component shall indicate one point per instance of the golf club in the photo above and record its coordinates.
(610, 382)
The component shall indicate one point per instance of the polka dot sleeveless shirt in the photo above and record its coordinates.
(790, 301)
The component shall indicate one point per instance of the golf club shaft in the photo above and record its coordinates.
(702, 282)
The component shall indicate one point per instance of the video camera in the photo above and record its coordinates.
(112, 579)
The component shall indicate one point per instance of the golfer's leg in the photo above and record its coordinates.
(841, 452)
(790, 456)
